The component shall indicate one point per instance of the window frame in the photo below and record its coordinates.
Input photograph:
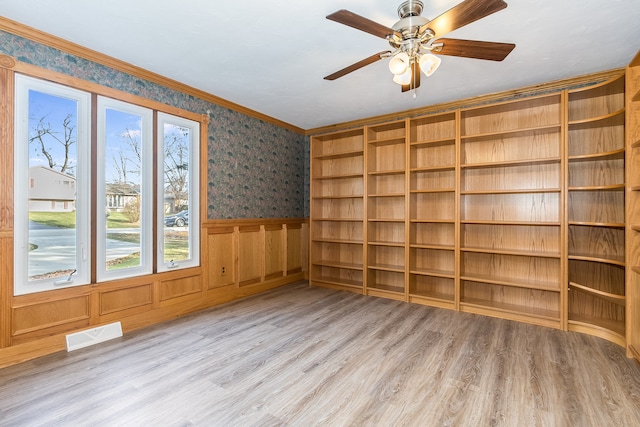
(146, 191)
(194, 192)
(22, 285)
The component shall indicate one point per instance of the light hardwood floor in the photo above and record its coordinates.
(301, 356)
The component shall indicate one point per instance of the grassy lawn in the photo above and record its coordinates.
(175, 249)
(54, 219)
(68, 219)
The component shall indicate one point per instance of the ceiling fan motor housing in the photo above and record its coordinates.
(410, 8)
(408, 25)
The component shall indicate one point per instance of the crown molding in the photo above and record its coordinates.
(507, 95)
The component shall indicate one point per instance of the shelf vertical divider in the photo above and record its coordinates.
(407, 208)
(457, 207)
(365, 213)
(564, 214)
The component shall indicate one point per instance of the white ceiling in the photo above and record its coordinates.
(271, 55)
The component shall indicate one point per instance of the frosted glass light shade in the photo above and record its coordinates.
(399, 63)
(404, 78)
(429, 63)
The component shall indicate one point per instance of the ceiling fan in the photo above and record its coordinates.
(415, 39)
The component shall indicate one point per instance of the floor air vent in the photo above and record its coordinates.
(93, 336)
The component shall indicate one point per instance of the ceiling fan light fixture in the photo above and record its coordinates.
(429, 63)
(399, 64)
(404, 78)
(414, 38)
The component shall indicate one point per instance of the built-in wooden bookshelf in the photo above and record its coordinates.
(632, 127)
(337, 210)
(386, 210)
(432, 207)
(510, 210)
(514, 209)
(596, 209)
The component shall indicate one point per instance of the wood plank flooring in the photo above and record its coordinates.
(301, 356)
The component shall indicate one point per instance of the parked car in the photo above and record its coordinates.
(178, 220)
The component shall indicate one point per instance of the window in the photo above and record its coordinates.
(54, 203)
(125, 172)
(52, 235)
(178, 148)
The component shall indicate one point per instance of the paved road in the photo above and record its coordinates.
(56, 248)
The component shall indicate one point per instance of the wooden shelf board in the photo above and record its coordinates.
(432, 246)
(432, 142)
(337, 281)
(387, 267)
(386, 243)
(612, 187)
(354, 196)
(338, 219)
(636, 97)
(590, 257)
(338, 264)
(343, 155)
(433, 273)
(603, 328)
(432, 221)
(513, 191)
(339, 176)
(386, 172)
(616, 299)
(516, 252)
(437, 190)
(636, 227)
(386, 195)
(385, 220)
(598, 224)
(433, 168)
(341, 241)
(511, 308)
(614, 154)
(510, 163)
(386, 291)
(635, 269)
(431, 296)
(635, 144)
(394, 140)
(594, 120)
(512, 282)
(494, 222)
(514, 132)
(635, 188)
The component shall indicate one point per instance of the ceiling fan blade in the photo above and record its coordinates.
(415, 78)
(464, 13)
(361, 23)
(353, 67)
(492, 51)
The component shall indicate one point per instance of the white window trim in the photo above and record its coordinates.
(194, 193)
(22, 285)
(146, 201)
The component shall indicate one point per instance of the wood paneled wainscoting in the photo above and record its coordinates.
(238, 258)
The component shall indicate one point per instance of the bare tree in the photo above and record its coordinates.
(128, 161)
(43, 134)
(176, 167)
